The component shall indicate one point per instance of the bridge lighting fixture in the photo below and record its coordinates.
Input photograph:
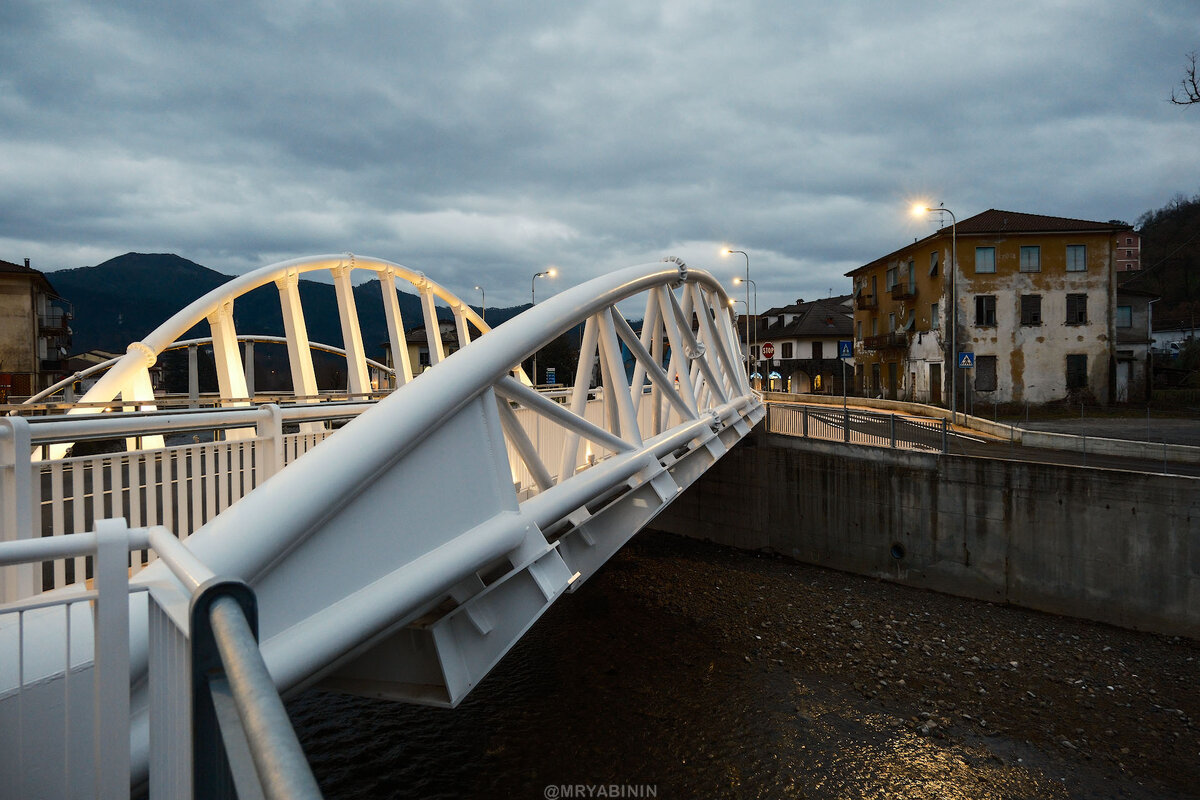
(918, 210)
(482, 304)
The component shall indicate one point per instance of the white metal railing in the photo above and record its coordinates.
(180, 486)
(76, 661)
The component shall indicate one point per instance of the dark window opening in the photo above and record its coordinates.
(985, 310)
(1076, 372)
(1031, 309)
(1077, 309)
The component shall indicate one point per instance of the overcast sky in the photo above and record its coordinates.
(481, 142)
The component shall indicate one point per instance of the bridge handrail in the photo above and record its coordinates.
(56, 430)
(280, 767)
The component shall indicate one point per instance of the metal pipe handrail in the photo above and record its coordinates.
(53, 430)
(283, 771)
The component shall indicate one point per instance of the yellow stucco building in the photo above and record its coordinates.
(1036, 298)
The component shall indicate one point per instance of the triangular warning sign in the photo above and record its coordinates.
(967, 360)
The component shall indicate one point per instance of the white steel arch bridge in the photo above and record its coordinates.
(398, 555)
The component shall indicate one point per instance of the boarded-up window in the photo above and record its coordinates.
(1031, 309)
(985, 373)
(1076, 372)
(1077, 309)
(817, 350)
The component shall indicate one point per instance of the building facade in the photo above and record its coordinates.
(803, 339)
(35, 333)
(1035, 298)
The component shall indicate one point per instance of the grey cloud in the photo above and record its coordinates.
(487, 140)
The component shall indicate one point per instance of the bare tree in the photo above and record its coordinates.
(1191, 92)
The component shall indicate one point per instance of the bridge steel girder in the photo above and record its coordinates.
(403, 556)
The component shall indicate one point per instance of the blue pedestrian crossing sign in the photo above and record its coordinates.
(845, 348)
(966, 361)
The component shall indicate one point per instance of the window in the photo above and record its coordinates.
(891, 322)
(1031, 258)
(985, 373)
(1077, 309)
(891, 278)
(1124, 316)
(912, 277)
(1129, 254)
(933, 264)
(1031, 309)
(874, 326)
(859, 329)
(786, 350)
(816, 350)
(985, 310)
(933, 317)
(1076, 258)
(1128, 240)
(985, 259)
(1076, 372)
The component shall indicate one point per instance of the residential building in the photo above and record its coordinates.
(1132, 325)
(1036, 299)
(35, 333)
(1128, 256)
(803, 339)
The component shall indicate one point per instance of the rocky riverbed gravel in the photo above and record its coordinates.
(1067, 693)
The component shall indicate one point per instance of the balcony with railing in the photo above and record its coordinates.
(866, 302)
(902, 291)
(886, 341)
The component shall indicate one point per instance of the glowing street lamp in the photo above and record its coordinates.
(482, 304)
(920, 209)
(548, 273)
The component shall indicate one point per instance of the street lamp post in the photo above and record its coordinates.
(482, 304)
(920, 208)
(549, 273)
(754, 286)
(749, 369)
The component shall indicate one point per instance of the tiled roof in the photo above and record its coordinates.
(995, 220)
(827, 317)
(8, 266)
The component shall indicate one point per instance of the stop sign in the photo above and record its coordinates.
(768, 350)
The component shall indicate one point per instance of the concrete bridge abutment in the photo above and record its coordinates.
(1106, 545)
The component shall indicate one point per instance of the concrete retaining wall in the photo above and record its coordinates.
(1117, 547)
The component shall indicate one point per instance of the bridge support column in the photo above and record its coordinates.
(356, 361)
(401, 363)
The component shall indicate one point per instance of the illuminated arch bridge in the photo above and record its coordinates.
(400, 554)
